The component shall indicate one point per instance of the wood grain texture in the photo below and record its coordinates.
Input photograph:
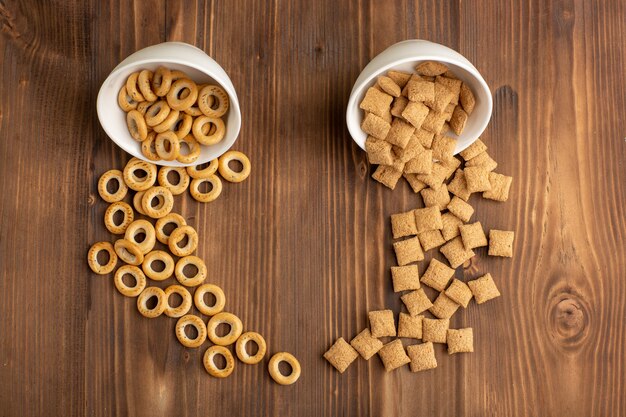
(302, 249)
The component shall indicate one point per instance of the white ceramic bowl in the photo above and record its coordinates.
(404, 56)
(174, 55)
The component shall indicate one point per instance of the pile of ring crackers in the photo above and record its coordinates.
(407, 117)
(160, 247)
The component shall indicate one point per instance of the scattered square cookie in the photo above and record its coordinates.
(437, 275)
(484, 289)
(425, 137)
(422, 163)
(410, 326)
(467, 99)
(341, 355)
(443, 97)
(501, 243)
(459, 292)
(414, 77)
(416, 185)
(451, 225)
(473, 235)
(458, 120)
(393, 355)
(435, 330)
(378, 151)
(376, 102)
(431, 239)
(399, 104)
(405, 278)
(500, 186)
(428, 218)
(420, 90)
(482, 160)
(416, 302)
(408, 251)
(415, 113)
(387, 175)
(439, 198)
(455, 252)
(399, 77)
(382, 323)
(460, 340)
(400, 133)
(422, 357)
(450, 165)
(403, 224)
(460, 209)
(473, 150)
(388, 86)
(375, 126)
(431, 68)
(434, 122)
(452, 84)
(366, 344)
(458, 186)
(477, 179)
(436, 177)
(443, 307)
(443, 147)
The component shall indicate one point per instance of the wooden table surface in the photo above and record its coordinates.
(302, 249)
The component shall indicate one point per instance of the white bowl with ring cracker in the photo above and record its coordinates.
(404, 56)
(201, 68)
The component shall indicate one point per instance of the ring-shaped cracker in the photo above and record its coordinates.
(236, 328)
(144, 82)
(122, 189)
(183, 179)
(194, 150)
(131, 87)
(136, 125)
(137, 202)
(125, 101)
(178, 235)
(215, 192)
(138, 276)
(176, 97)
(212, 136)
(109, 214)
(136, 182)
(92, 258)
(142, 302)
(195, 280)
(159, 227)
(198, 298)
(184, 306)
(207, 99)
(161, 81)
(211, 169)
(193, 111)
(242, 353)
(168, 122)
(167, 145)
(227, 173)
(128, 252)
(145, 227)
(148, 148)
(164, 206)
(143, 107)
(178, 74)
(158, 255)
(275, 372)
(157, 113)
(208, 360)
(190, 320)
(182, 125)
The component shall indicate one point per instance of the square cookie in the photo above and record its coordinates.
(460, 209)
(403, 224)
(477, 179)
(459, 292)
(416, 302)
(376, 102)
(484, 289)
(408, 251)
(400, 133)
(451, 225)
(405, 278)
(410, 326)
(375, 126)
(387, 175)
(500, 187)
(435, 330)
(382, 323)
(443, 307)
(422, 357)
(341, 355)
(428, 218)
(378, 151)
(455, 252)
(439, 198)
(460, 340)
(458, 186)
(473, 235)
(393, 355)
(437, 275)
(431, 239)
(501, 243)
(366, 344)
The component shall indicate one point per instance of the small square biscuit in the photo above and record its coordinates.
(387, 116)
(416, 302)
(445, 128)
(416, 185)
(460, 340)
(393, 355)
(455, 252)
(422, 163)
(378, 151)
(415, 113)
(467, 99)
(388, 86)
(448, 111)
(451, 225)
(365, 344)
(435, 330)
(400, 133)
(376, 102)
(431, 239)
(458, 120)
(437, 275)
(500, 186)
(459, 292)
(460, 209)
(436, 177)
(375, 126)
(431, 68)
(399, 104)
(453, 84)
(439, 198)
(472, 151)
(422, 357)
(397, 163)
(482, 160)
(414, 77)
(412, 149)
(484, 289)
(443, 307)
(477, 179)
(450, 166)
(473, 235)
(403, 224)
(501, 243)
(434, 122)
(443, 147)
(443, 97)
(458, 185)
(405, 278)
(450, 74)
(420, 90)
(341, 355)
(428, 218)
(410, 326)
(382, 323)
(408, 251)
(386, 175)
(425, 137)
(399, 77)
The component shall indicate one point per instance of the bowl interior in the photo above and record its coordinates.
(113, 118)
(476, 123)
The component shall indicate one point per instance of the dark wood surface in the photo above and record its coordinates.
(302, 248)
